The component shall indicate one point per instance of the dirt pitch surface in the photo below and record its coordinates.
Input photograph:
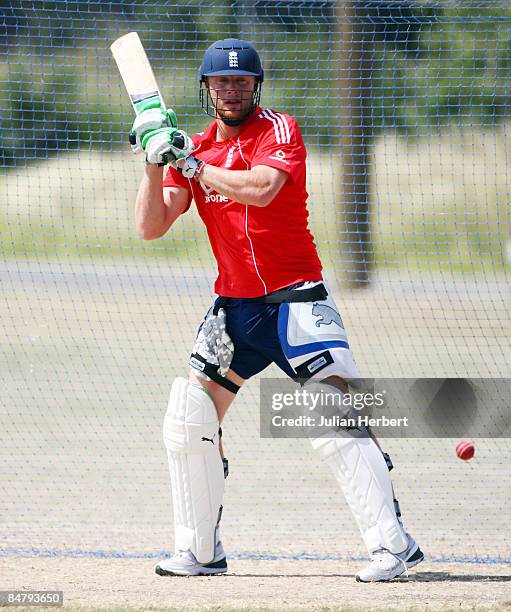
(120, 584)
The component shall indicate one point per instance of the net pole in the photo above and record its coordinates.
(354, 53)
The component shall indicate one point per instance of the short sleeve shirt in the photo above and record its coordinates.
(258, 249)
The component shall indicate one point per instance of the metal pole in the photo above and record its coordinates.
(355, 50)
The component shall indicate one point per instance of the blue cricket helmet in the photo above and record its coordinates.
(231, 56)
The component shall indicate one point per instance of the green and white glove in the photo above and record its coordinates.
(152, 117)
(168, 146)
(156, 145)
(181, 147)
(182, 158)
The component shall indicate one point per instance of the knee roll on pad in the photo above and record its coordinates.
(190, 434)
(191, 420)
(363, 475)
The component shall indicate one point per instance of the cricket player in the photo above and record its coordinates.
(246, 175)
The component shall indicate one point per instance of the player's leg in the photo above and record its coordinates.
(192, 437)
(357, 462)
(221, 396)
(197, 473)
(341, 384)
(362, 471)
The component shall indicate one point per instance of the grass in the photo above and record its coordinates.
(81, 206)
(438, 203)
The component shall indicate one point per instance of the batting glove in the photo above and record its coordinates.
(153, 117)
(174, 147)
(191, 167)
(181, 147)
(182, 159)
(157, 146)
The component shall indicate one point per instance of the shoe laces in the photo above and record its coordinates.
(379, 555)
(184, 554)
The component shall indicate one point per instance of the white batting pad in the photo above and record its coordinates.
(361, 471)
(190, 433)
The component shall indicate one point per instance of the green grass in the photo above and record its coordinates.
(440, 203)
(48, 243)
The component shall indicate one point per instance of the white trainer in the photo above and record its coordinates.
(386, 566)
(184, 563)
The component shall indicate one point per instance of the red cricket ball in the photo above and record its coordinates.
(465, 450)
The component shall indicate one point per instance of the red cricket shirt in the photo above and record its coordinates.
(258, 250)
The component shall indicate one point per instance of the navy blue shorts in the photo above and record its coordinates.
(304, 339)
(252, 327)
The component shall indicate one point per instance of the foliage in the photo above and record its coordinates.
(429, 65)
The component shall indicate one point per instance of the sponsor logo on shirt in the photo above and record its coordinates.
(279, 156)
(212, 196)
(216, 197)
(205, 188)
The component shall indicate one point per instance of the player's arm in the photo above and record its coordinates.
(157, 208)
(256, 187)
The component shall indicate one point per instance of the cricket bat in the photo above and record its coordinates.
(136, 71)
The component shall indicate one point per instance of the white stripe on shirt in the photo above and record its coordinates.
(276, 126)
(284, 127)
